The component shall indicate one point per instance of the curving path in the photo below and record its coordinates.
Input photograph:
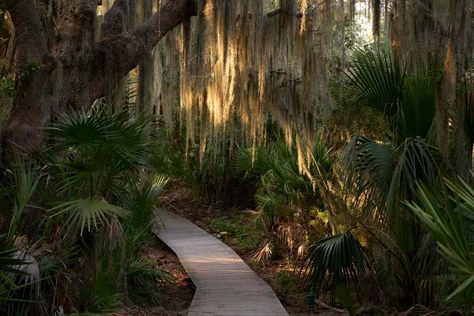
(225, 285)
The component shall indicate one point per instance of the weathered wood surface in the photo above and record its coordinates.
(225, 285)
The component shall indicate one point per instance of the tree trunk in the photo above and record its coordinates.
(61, 65)
(435, 33)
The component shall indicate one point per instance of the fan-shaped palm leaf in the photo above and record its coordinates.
(451, 223)
(142, 202)
(407, 102)
(334, 260)
(377, 79)
(383, 175)
(101, 147)
(88, 213)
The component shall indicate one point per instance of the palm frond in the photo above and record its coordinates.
(450, 223)
(143, 200)
(418, 107)
(143, 282)
(377, 79)
(406, 101)
(381, 175)
(334, 261)
(100, 147)
(26, 179)
(87, 213)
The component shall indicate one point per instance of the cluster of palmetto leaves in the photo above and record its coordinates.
(448, 212)
(380, 175)
(82, 210)
(285, 197)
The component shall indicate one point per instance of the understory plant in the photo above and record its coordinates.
(285, 197)
(448, 214)
(379, 175)
(90, 198)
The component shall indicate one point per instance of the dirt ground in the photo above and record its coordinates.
(176, 296)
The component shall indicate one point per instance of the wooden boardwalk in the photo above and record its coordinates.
(225, 285)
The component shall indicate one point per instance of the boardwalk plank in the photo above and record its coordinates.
(225, 285)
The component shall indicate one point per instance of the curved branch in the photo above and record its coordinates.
(121, 53)
(114, 20)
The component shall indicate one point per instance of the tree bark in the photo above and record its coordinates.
(64, 67)
(34, 63)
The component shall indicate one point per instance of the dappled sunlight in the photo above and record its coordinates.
(242, 74)
(285, 157)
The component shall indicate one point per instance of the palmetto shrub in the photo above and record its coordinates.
(448, 214)
(379, 174)
(94, 194)
(284, 196)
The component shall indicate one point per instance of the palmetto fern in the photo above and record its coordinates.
(334, 261)
(9, 264)
(142, 201)
(406, 101)
(450, 219)
(101, 147)
(87, 213)
(283, 194)
(377, 80)
(142, 281)
(25, 181)
(383, 174)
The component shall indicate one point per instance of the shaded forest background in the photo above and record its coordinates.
(328, 139)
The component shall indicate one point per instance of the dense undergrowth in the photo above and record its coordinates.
(76, 216)
(376, 219)
(381, 212)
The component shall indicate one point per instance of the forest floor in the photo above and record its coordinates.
(243, 238)
(241, 234)
(175, 297)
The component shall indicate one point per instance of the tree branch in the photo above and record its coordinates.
(121, 53)
(114, 20)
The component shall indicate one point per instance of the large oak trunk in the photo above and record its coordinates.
(60, 64)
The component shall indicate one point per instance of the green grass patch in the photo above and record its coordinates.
(242, 233)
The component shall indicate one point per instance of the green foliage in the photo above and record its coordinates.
(284, 283)
(283, 194)
(141, 202)
(100, 191)
(25, 180)
(7, 86)
(87, 213)
(281, 187)
(382, 175)
(241, 232)
(97, 295)
(142, 281)
(102, 149)
(378, 81)
(19, 283)
(335, 261)
(406, 101)
(9, 270)
(450, 219)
